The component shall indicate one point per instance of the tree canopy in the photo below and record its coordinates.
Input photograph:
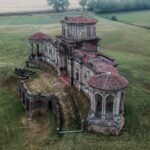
(83, 3)
(102, 6)
(59, 5)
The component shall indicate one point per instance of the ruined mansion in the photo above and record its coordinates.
(77, 57)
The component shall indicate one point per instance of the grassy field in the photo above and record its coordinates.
(29, 5)
(129, 45)
(141, 18)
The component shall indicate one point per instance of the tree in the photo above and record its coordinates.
(59, 5)
(107, 6)
(83, 3)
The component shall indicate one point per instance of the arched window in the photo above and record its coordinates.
(98, 101)
(27, 104)
(77, 75)
(109, 104)
(121, 109)
(37, 48)
(85, 75)
(83, 34)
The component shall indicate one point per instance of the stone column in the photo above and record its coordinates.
(35, 50)
(92, 109)
(80, 77)
(58, 66)
(103, 107)
(118, 96)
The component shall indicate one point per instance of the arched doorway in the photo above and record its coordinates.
(27, 104)
(77, 75)
(38, 49)
(109, 104)
(98, 101)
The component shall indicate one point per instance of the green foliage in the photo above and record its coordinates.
(103, 6)
(114, 18)
(83, 3)
(59, 5)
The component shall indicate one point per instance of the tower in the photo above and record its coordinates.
(80, 33)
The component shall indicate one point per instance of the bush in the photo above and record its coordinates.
(114, 18)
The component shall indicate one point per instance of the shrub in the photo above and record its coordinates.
(114, 18)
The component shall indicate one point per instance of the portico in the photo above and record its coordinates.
(107, 101)
(38, 42)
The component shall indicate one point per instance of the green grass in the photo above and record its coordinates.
(141, 18)
(50, 18)
(129, 45)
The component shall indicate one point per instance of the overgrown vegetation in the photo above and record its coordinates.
(129, 45)
(114, 18)
(105, 6)
(47, 81)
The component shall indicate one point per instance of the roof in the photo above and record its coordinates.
(72, 41)
(101, 67)
(84, 55)
(79, 20)
(39, 36)
(94, 59)
(108, 81)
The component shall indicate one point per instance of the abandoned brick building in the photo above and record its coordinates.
(79, 61)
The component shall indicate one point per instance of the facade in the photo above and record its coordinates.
(79, 61)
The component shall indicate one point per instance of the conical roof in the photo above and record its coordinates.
(108, 81)
(39, 36)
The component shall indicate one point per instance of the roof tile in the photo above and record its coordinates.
(108, 81)
(39, 36)
(80, 20)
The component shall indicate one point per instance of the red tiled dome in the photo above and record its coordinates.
(108, 82)
(39, 36)
(79, 20)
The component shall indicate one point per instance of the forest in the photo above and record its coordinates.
(106, 6)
